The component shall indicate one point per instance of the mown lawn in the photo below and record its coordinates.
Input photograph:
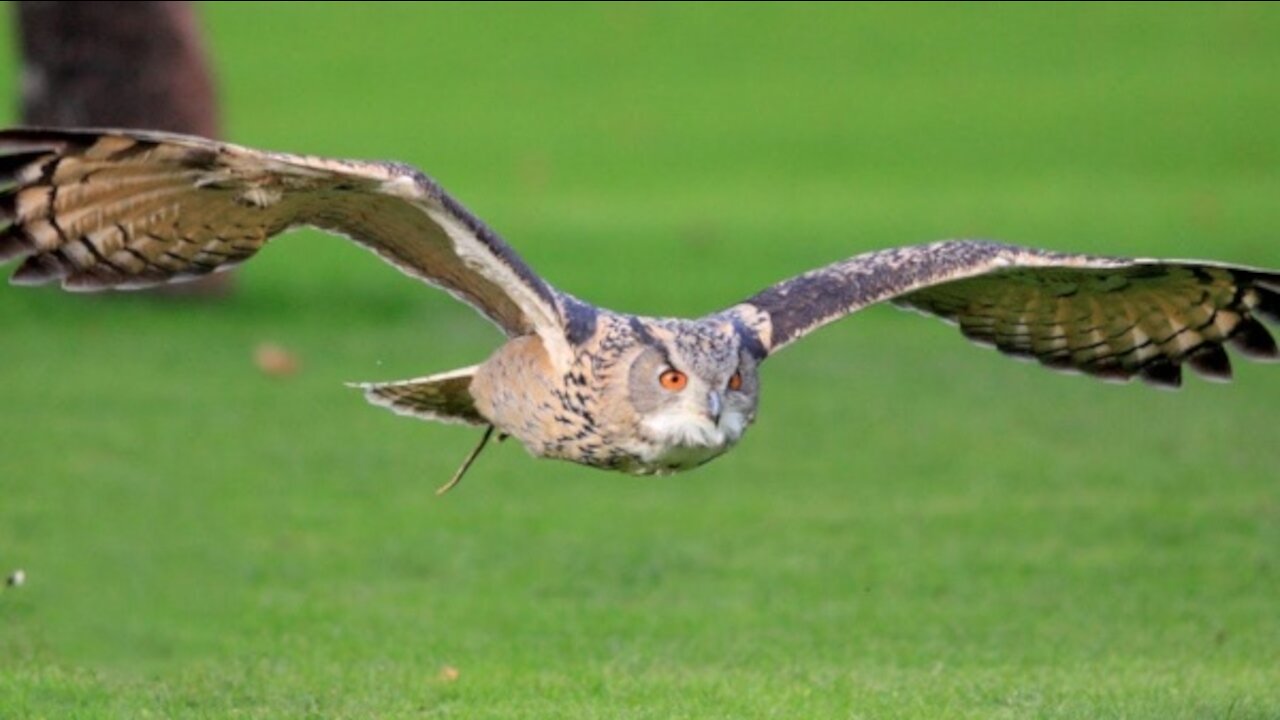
(915, 528)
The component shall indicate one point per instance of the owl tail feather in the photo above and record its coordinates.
(445, 397)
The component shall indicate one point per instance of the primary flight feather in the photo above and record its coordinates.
(96, 209)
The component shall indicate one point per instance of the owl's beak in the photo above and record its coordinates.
(714, 406)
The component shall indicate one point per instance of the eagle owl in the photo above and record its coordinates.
(98, 209)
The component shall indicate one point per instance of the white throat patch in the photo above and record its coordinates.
(679, 441)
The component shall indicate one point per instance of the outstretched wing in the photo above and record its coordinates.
(1110, 317)
(124, 209)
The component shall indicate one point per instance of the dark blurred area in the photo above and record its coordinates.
(119, 64)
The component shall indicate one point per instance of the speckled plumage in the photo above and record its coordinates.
(98, 209)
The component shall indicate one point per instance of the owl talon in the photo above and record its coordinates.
(457, 476)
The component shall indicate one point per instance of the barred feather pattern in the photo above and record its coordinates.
(1113, 318)
(1144, 320)
(92, 219)
(97, 209)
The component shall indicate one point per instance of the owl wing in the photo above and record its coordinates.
(1114, 318)
(123, 209)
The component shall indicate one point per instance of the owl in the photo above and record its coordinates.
(96, 209)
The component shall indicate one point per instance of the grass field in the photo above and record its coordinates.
(915, 528)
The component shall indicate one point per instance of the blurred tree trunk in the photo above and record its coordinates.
(118, 64)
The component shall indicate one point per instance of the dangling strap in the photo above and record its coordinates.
(457, 477)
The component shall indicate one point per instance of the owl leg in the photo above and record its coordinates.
(457, 477)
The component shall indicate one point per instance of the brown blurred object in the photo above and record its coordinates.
(119, 64)
(275, 360)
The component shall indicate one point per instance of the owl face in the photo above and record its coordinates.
(694, 396)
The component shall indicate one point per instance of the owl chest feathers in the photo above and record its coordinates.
(555, 413)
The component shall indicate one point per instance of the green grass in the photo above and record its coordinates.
(915, 528)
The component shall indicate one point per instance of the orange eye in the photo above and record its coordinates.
(673, 380)
(735, 382)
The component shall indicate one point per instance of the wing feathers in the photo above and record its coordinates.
(1266, 302)
(112, 209)
(1111, 318)
(1253, 340)
(1211, 362)
(1161, 372)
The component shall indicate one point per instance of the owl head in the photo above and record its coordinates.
(694, 390)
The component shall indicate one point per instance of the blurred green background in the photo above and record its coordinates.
(915, 527)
